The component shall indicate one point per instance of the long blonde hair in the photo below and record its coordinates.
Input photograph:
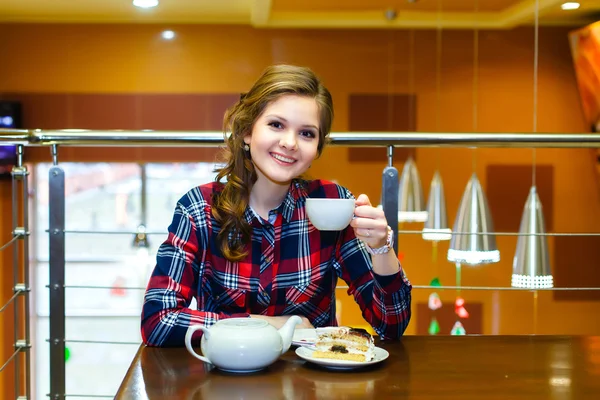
(229, 205)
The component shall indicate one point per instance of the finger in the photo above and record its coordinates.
(369, 212)
(363, 233)
(363, 200)
(369, 223)
(371, 233)
(362, 223)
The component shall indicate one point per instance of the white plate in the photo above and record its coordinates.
(304, 337)
(306, 354)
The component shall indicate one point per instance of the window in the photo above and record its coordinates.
(105, 276)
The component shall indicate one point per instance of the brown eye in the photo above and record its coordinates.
(308, 134)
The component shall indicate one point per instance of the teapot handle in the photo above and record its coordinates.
(188, 341)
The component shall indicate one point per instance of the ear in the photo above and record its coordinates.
(247, 139)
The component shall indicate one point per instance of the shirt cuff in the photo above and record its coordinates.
(391, 283)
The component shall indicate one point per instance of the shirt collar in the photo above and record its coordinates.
(290, 202)
(251, 217)
(293, 199)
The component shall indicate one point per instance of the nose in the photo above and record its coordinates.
(289, 140)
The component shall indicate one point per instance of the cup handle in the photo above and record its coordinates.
(188, 341)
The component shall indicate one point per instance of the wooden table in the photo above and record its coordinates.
(419, 367)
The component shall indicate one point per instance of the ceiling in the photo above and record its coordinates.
(448, 14)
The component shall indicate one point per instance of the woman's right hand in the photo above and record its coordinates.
(279, 321)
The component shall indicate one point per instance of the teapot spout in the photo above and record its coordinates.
(287, 332)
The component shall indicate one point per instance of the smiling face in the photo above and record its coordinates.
(284, 139)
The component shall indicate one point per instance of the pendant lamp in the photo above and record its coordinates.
(436, 225)
(531, 264)
(141, 238)
(468, 245)
(411, 203)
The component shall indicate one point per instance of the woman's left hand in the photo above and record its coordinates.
(369, 223)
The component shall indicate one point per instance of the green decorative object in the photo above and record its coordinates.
(435, 282)
(67, 354)
(458, 329)
(434, 327)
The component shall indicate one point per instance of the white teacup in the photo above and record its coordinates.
(330, 214)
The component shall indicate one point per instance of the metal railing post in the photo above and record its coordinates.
(56, 191)
(389, 195)
(21, 284)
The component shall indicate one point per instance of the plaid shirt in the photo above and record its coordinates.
(291, 269)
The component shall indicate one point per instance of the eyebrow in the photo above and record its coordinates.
(285, 120)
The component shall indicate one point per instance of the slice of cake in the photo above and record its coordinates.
(344, 343)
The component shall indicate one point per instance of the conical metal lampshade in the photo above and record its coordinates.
(531, 264)
(141, 238)
(411, 203)
(468, 245)
(436, 226)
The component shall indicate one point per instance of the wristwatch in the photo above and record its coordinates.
(386, 247)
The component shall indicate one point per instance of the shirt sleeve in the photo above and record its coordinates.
(385, 301)
(179, 268)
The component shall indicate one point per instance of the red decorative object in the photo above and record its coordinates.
(117, 287)
(459, 308)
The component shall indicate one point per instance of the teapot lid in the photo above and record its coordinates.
(246, 323)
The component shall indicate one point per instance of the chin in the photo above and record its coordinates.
(281, 179)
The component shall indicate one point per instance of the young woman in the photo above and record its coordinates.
(245, 248)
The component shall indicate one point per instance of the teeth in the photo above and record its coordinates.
(284, 159)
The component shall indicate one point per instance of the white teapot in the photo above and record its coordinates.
(242, 345)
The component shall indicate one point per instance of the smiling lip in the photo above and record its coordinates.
(283, 159)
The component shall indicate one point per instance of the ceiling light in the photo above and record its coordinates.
(473, 240)
(436, 225)
(411, 204)
(145, 3)
(531, 264)
(168, 35)
(141, 237)
(570, 5)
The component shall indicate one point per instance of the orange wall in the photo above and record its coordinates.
(221, 59)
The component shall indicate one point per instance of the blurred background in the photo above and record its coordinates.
(392, 66)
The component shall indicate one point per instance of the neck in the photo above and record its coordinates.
(266, 195)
